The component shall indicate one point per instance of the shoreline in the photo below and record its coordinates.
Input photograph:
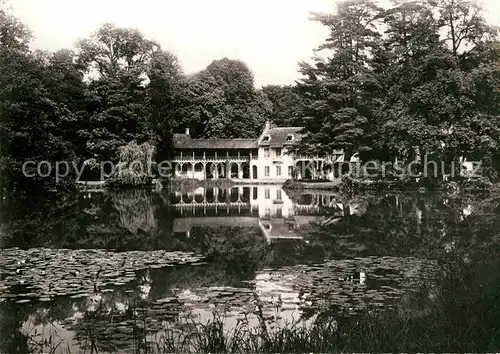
(351, 185)
(345, 185)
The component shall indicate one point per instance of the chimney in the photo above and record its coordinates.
(187, 131)
(267, 126)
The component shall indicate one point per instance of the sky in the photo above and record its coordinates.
(270, 36)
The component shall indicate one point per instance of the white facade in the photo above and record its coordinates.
(268, 158)
(274, 164)
(274, 161)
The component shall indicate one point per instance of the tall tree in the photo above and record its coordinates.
(14, 35)
(111, 50)
(436, 93)
(463, 23)
(222, 102)
(117, 61)
(336, 90)
(32, 125)
(165, 94)
(286, 103)
(414, 56)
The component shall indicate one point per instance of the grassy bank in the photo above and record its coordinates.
(387, 332)
(462, 316)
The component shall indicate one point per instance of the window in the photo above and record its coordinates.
(278, 194)
(290, 171)
(268, 213)
(278, 152)
(266, 171)
(278, 170)
(268, 193)
(289, 137)
(267, 153)
(266, 138)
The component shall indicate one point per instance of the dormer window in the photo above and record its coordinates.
(266, 138)
(290, 137)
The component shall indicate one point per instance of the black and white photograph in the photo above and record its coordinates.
(249, 176)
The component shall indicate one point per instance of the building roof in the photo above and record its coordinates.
(278, 139)
(279, 136)
(184, 141)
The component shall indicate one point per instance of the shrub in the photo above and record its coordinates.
(136, 165)
(292, 184)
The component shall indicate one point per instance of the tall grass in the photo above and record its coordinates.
(369, 333)
(463, 317)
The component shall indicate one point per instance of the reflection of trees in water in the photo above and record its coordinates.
(88, 220)
(291, 252)
(40, 221)
(461, 233)
(118, 321)
(136, 208)
(404, 224)
(35, 327)
(242, 249)
(11, 338)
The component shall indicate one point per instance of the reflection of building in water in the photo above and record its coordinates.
(268, 157)
(268, 207)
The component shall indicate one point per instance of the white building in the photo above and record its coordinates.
(267, 158)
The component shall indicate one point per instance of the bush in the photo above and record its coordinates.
(292, 184)
(136, 165)
(476, 184)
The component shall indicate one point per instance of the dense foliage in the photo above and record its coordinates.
(417, 78)
(114, 89)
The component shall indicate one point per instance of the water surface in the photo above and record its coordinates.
(85, 272)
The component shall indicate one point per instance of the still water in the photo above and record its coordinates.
(85, 272)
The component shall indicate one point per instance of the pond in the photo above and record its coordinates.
(87, 272)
